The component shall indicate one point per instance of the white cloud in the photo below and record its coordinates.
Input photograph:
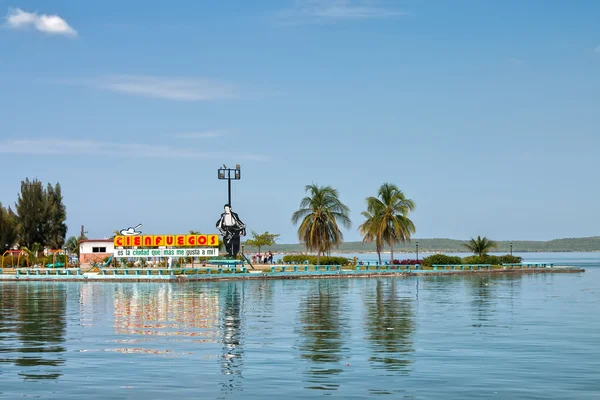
(197, 135)
(51, 24)
(180, 89)
(329, 10)
(83, 147)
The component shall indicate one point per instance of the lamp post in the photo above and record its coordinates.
(511, 248)
(229, 174)
(417, 251)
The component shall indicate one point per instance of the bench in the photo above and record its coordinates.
(231, 264)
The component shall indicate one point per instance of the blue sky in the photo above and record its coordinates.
(485, 113)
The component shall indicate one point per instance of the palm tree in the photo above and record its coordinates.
(72, 245)
(480, 246)
(387, 217)
(369, 231)
(320, 214)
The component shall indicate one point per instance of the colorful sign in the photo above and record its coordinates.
(149, 253)
(166, 241)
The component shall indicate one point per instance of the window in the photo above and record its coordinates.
(98, 249)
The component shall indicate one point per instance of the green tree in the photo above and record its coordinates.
(320, 215)
(262, 240)
(41, 215)
(369, 231)
(56, 230)
(387, 217)
(480, 246)
(72, 245)
(31, 211)
(8, 228)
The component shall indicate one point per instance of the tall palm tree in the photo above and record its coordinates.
(480, 246)
(387, 216)
(369, 231)
(320, 214)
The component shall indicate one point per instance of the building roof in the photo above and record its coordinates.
(97, 240)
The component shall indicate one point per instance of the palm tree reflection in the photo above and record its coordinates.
(322, 329)
(390, 325)
(482, 303)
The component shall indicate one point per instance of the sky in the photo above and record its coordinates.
(485, 113)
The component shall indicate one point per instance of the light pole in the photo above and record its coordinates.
(229, 174)
(417, 251)
(511, 248)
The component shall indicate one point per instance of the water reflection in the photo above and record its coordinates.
(483, 293)
(166, 310)
(231, 330)
(32, 328)
(323, 328)
(390, 326)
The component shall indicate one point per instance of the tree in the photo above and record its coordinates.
(369, 231)
(387, 217)
(41, 215)
(31, 211)
(480, 246)
(262, 240)
(8, 228)
(56, 217)
(320, 215)
(72, 245)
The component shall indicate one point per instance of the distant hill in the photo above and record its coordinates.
(455, 246)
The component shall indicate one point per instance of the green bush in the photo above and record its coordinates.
(492, 260)
(508, 259)
(303, 258)
(441, 259)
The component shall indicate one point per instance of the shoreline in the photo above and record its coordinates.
(266, 275)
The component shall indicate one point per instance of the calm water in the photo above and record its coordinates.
(505, 337)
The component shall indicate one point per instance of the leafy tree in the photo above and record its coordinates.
(31, 211)
(56, 217)
(8, 228)
(480, 246)
(41, 215)
(33, 253)
(320, 214)
(72, 245)
(262, 240)
(387, 217)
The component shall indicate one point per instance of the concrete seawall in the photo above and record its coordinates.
(95, 277)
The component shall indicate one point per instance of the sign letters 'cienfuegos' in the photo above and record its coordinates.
(166, 246)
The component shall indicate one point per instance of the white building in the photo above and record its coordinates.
(95, 250)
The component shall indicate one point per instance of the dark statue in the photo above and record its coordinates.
(231, 227)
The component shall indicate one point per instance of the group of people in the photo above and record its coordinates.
(266, 258)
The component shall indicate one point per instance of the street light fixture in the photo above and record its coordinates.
(511, 248)
(230, 174)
